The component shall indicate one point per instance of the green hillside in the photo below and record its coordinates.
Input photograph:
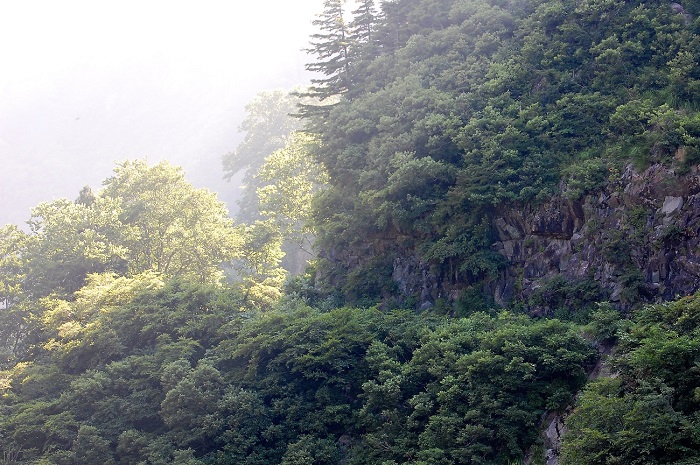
(452, 110)
(140, 325)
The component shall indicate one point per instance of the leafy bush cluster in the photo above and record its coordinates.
(649, 411)
(145, 371)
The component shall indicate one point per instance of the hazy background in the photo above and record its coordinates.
(85, 84)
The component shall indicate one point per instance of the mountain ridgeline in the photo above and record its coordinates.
(503, 199)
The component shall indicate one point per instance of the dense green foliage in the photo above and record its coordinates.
(649, 412)
(142, 370)
(144, 219)
(453, 109)
(122, 343)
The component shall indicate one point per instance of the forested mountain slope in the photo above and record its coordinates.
(472, 149)
(455, 116)
(122, 344)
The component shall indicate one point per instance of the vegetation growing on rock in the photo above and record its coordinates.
(463, 146)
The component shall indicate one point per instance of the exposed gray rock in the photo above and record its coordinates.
(553, 435)
(638, 238)
(677, 8)
(644, 226)
(647, 223)
(671, 205)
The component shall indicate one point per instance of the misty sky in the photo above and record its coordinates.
(85, 84)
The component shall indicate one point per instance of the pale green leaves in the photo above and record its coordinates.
(289, 179)
(169, 226)
(287, 183)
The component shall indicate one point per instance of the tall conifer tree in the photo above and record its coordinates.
(362, 26)
(364, 46)
(331, 47)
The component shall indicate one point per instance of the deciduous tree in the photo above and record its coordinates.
(169, 226)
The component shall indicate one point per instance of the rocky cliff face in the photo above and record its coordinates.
(635, 240)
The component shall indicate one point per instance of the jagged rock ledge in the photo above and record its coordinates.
(637, 238)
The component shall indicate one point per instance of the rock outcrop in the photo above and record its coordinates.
(636, 240)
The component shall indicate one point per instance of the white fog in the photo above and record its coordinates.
(85, 85)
